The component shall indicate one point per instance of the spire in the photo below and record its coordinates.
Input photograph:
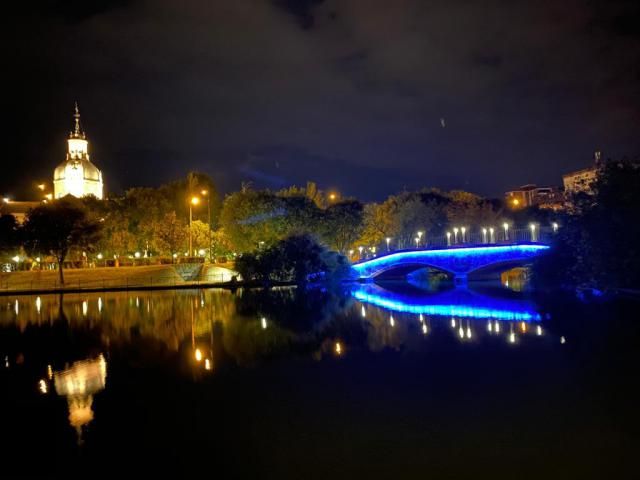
(76, 131)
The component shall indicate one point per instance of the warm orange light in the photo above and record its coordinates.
(41, 187)
(198, 355)
(338, 348)
(195, 200)
(516, 202)
(48, 196)
(204, 193)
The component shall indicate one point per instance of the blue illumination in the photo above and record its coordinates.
(453, 260)
(452, 303)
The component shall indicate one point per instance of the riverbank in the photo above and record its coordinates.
(117, 279)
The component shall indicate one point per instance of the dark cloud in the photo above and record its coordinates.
(349, 93)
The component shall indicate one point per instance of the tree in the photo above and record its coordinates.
(342, 224)
(597, 244)
(297, 258)
(57, 227)
(171, 233)
(9, 241)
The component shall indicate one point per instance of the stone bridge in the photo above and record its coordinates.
(456, 261)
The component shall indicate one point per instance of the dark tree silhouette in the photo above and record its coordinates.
(57, 227)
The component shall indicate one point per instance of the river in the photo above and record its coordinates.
(365, 382)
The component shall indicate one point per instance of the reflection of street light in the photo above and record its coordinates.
(192, 202)
(417, 241)
(388, 239)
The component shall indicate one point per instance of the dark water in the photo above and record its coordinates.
(372, 383)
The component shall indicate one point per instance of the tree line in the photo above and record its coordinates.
(153, 223)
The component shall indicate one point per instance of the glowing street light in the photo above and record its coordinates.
(448, 239)
(455, 235)
(505, 225)
(417, 241)
(360, 248)
(194, 201)
(205, 193)
(554, 225)
(419, 233)
(463, 230)
(492, 237)
(198, 355)
(484, 235)
(388, 239)
(534, 236)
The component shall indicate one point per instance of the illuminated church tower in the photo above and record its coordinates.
(77, 176)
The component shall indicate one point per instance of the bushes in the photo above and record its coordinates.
(298, 258)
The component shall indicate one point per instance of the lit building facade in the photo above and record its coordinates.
(77, 176)
(582, 180)
(530, 195)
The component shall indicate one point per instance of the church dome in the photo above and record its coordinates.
(77, 176)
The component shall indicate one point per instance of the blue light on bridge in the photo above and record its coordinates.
(453, 303)
(455, 260)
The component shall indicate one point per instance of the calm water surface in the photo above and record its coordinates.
(371, 382)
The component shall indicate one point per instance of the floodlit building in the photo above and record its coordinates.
(77, 176)
(582, 180)
(530, 195)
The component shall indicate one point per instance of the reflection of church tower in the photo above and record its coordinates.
(78, 384)
(77, 176)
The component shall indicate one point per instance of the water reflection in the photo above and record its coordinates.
(457, 302)
(79, 383)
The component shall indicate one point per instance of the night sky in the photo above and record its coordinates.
(366, 96)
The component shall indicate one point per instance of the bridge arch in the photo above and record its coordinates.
(459, 262)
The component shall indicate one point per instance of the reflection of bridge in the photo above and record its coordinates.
(458, 261)
(458, 302)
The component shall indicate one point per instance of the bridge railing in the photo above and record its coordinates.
(542, 235)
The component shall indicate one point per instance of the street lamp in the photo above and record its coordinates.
(360, 251)
(205, 193)
(194, 201)
(419, 236)
(388, 239)
(463, 230)
(455, 235)
(505, 225)
(484, 235)
(492, 237)
(417, 241)
(532, 226)
(448, 239)
(554, 225)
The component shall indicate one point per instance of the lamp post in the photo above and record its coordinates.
(417, 239)
(419, 236)
(463, 230)
(455, 235)
(492, 237)
(484, 235)
(192, 202)
(448, 239)
(388, 239)
(505, 225)
(205, 193)
(360, 252)
(534, 238)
